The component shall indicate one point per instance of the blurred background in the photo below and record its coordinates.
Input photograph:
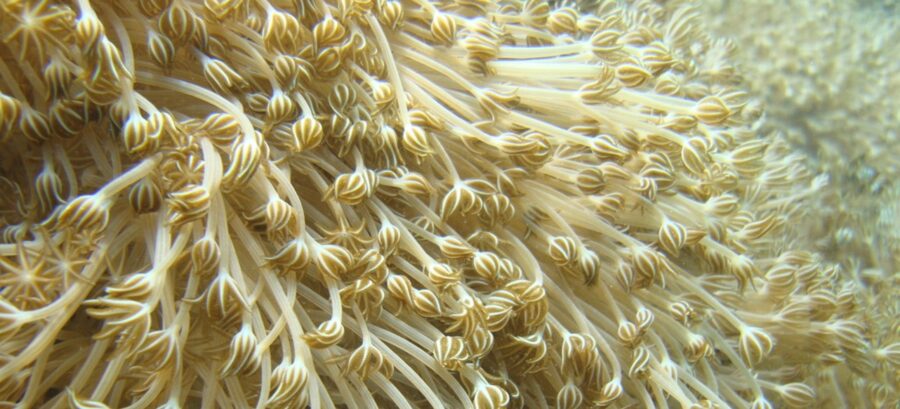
(828, 73)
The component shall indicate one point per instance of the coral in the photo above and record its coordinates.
(237, 203)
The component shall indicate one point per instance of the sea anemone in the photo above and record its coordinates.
(252, 203)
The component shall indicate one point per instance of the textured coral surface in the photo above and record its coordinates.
(461, 204)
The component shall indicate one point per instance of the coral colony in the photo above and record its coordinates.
(354, 204)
